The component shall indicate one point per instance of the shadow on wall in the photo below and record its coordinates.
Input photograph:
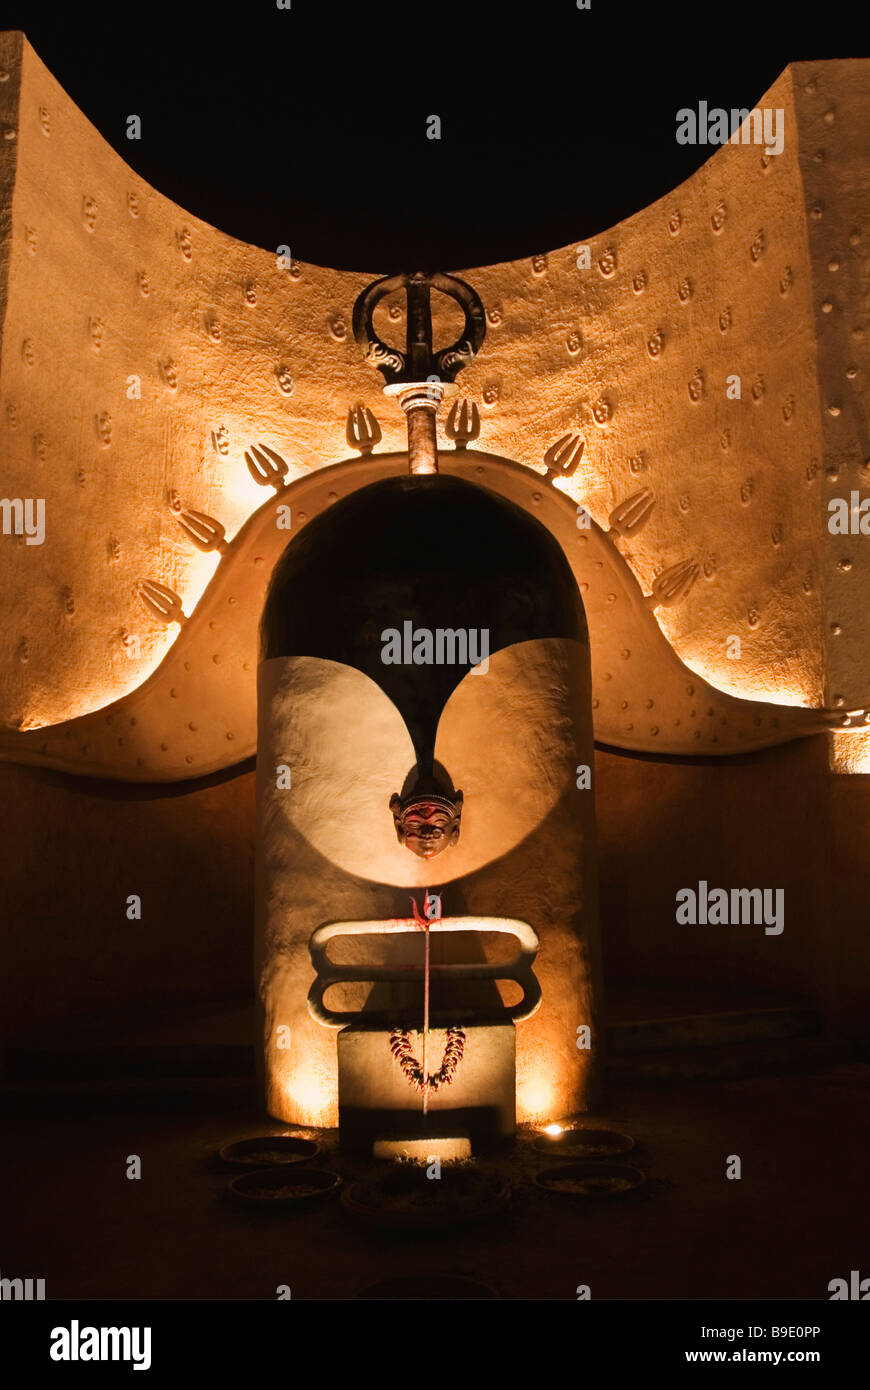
(777, 819)
(73, 851)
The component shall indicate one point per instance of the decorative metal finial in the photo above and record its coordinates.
(563, 457)
(363, 431)
(418, 376)
(266, 467)
(463, 423)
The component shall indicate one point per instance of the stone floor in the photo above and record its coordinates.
(798, 1217)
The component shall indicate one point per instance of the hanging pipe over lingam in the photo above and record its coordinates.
(424, 685)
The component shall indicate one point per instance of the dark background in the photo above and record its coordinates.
(307, 127)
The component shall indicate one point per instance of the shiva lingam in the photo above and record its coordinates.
(408, 1101)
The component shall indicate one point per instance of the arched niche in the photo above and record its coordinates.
(342, 730)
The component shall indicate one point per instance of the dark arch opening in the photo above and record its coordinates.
(435, 552)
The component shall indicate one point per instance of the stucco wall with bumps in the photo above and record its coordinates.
(757, 265)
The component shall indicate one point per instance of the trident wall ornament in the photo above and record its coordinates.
(419, 377)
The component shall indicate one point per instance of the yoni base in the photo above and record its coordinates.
(376, 1101)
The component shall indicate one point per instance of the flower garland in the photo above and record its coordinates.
(454, 1048)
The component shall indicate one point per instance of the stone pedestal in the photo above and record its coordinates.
(376, 1101)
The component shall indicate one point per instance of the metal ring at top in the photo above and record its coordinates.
(418, 363)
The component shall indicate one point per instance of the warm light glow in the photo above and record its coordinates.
(553, 1130)
(200, 572)
(535, 1100)
(849, 751)
(423, 1150)
(242, 496)
(738, 678)
(130, 668)
(312, 1099)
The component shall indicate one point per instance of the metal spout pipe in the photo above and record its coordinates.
(420, 402)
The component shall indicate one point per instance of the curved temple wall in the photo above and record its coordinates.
(144, 353)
